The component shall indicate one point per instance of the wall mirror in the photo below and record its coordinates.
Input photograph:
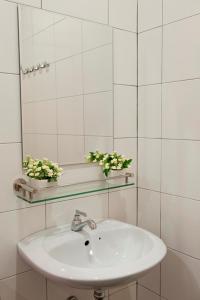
(66, 86)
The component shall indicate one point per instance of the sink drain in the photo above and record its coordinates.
(72, 298)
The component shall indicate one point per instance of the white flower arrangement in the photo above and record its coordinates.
(41, 169)
(113, 161)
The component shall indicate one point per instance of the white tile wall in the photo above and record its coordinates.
(123, 205)
(123, 14)
(125, 111)
(144, 294)
(179, 9)
(125, 57)
(69, 77)
(66, 146)
(97, 70)
(180, 109)
(128, 293)
(16, 226)
(70, 115)
(71, 30)
(96, 10)
(152, 280)
(168, 120)
(95, 35)
(149, 56)
(149, 201)
(180, 165)
(9, 109)
(98, 114)
(9, 38)
(181, 213)
(180, 49)
(149, 160)
(29, 285)
(180, 277)
(149, 111)
(19, 220)
(149, 14)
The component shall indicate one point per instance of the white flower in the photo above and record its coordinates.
(107, 166)
(39, 169)
(37, 174)
(101, 163)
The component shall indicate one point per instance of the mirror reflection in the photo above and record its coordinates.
(66, 86)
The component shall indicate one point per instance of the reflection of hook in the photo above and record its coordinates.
(35, 68)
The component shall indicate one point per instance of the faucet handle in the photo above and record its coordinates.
(80, 213)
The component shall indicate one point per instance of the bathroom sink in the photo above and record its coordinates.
(115, 253)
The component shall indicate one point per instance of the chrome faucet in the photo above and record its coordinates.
(78, 225)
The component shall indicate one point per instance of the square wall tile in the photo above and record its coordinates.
(95, 35)
(128, 148)
(180, 168)
(123, 205)
(27, 286)
(33, 117)
(149, 160)
(125, 111)
(144, 294)
(149, 14)
(70, 149)
(9, 54)
(16, 226)
(179, 9)
(128, 293)
(125, 57)
(95, 206)
(123, 14)
(180, 218)
(180, 109)
(149, 201)
(40, 145)
(180, 277)
(149, 56)
(69, 77)
(149, 111)
(98, 114)
(11, 168)
(68, 37)
(96, 10)
(181, 45)
(103, 144)
(70, 115)
(10, 119)
(97, 70)
(152, 280)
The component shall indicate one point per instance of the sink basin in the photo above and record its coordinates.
(115, 253)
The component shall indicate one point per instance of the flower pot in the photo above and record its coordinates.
(115, 173)
(40, 184)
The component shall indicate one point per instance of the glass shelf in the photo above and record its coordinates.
(70, 191)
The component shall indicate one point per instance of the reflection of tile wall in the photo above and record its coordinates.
(17, 220)
(168, 152)
(79, 106)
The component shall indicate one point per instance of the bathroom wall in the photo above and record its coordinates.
(17, 220)
(169, 143)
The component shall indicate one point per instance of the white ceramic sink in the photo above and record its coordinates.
(114, 253)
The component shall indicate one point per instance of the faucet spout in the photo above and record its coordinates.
(78, 225)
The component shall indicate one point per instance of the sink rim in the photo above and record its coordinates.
(84, 277)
